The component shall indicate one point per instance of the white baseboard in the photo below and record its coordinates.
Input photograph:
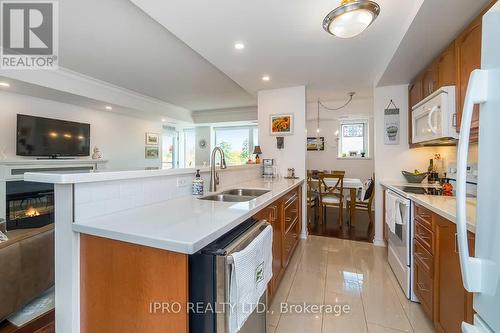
(379, 242)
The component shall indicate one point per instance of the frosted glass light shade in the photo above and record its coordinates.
(351, 19)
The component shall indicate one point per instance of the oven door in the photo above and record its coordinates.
(400, 246)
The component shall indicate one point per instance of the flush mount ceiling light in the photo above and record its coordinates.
(108, 107)
(351, 18)
(266, 78)
(239, 46)
(4, 84)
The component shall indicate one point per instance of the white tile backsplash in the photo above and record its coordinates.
(100, 198)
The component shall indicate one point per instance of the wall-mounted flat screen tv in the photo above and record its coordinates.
(45, 137)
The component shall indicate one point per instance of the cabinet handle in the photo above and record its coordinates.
(454, 121)
(456, 242)
(274, 213)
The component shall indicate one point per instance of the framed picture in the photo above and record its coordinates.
(152, 152)
(152, 139)
(282, 124)
(315, 143)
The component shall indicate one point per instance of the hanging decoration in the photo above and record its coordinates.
(391, 124)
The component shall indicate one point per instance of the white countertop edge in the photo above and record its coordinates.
(450, 217)
(104, 175)
(391, 186)
(179, 246)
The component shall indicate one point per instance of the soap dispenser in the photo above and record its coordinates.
(198, 184)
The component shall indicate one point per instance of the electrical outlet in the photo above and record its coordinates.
(182, 182)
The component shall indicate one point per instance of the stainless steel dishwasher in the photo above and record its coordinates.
(209, 283)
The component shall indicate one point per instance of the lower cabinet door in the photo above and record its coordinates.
(454, 303)
(423, 285)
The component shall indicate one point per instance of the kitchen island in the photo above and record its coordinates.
(123, 241)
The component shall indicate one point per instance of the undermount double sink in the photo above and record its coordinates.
(236, 195)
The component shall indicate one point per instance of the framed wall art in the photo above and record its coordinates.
(282, 124)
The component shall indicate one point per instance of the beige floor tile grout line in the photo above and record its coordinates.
(359, 289)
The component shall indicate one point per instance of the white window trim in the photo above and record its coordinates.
(366, 139)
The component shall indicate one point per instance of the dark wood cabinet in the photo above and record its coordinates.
(415, 95)
(284, 215)
(452, 67)
(430, 80)
(437, 276)
(446, 68)
(468, 58)
(454, 303)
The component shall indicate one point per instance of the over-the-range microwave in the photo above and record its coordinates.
(434, 119)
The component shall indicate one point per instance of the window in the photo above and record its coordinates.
(168, 149)
(353, 139)
(236, 142)
(189, 147)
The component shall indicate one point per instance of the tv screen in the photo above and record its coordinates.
(37, 136)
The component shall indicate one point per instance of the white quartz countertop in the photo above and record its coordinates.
(185, 224)
(441, 205)
(75, 177)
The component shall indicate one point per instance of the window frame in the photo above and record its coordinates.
(366, 138)
(250, 128)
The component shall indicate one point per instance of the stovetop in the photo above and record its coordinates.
(426, 190)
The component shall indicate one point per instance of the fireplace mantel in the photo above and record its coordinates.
(14, 169)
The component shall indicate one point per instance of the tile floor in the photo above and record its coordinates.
(339, 272)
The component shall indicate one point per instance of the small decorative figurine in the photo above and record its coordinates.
(97, 155)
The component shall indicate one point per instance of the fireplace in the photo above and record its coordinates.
(29, 204)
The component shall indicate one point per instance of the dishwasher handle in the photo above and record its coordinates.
(246, 238)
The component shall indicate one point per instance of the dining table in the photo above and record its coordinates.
(351, 184)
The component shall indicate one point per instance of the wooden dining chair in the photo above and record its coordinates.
(312, 196)
(366, 203)
(331, 195)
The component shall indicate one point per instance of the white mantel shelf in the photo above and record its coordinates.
(111, 175)
(50, 162)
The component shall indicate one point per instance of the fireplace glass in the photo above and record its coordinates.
(29, 205)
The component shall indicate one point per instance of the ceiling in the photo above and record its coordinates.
(286, 41)
(116, 42)
(434, 27)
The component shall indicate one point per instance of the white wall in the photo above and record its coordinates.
(329, 122)
(202, 155)
(392, 159)
(120, 138)
(285, 101)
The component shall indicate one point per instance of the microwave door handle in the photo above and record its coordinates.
(429, 119)
(473, 269)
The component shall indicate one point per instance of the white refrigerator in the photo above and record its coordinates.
(481, 274)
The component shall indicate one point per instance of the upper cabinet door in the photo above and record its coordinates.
(430, 80)
(415, 92)
(446, 67)
(468, 53)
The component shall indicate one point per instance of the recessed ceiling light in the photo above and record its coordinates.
(4, 84)
(239, 46)
(266, 78)
(163, 119)
(109, 107)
